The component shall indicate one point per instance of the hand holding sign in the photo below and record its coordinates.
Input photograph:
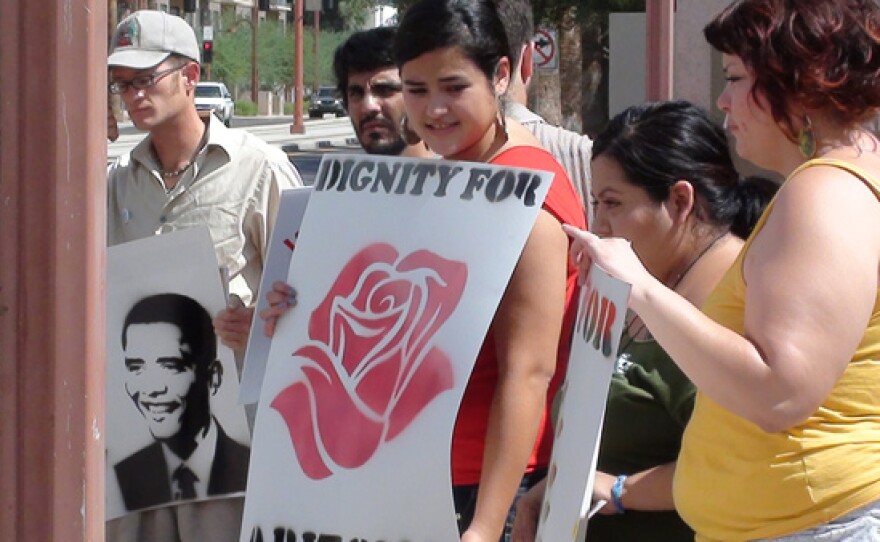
(614, 255)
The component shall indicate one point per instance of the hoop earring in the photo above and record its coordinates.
(807, 139)
(502, 118)
(407, 134)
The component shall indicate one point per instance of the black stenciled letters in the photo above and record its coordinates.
(334, 174)
(500, 185)
(385, 177)
(475, 182)
(284, 534)
(360, 180)
(446, 173)
(417, 178)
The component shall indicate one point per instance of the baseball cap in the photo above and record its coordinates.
(145, 38)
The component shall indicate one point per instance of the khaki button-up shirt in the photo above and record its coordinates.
(232, 187)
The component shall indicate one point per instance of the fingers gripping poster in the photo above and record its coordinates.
(175, 431)
(598, 327)
(399, 267)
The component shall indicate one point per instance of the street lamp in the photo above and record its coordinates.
(298, 127)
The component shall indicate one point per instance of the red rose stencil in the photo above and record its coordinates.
(370, 365)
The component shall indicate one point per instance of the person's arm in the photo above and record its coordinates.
(649, 490)
(233, 323)
(528, 510)
(282, 175)
(526, 333)
(281, 298)
(812, 281)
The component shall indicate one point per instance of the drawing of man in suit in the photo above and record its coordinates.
(172, 370)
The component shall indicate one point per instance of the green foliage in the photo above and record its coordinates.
(546, 11)
(275, 54)
(245, 108)
(553, 11)
(354, 12)
(232, 59)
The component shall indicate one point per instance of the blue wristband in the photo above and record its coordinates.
(616, 490)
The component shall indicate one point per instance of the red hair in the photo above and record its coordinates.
(816, 54)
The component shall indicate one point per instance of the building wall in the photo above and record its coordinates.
(697, 73)
(697, 67)
(626, 67)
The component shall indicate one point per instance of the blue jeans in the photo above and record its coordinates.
(465, 498)
(862, 525)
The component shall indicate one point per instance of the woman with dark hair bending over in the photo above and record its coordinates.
(454, 61)
(664, 180)
(785, 434)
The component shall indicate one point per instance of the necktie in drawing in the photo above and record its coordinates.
(185, 483)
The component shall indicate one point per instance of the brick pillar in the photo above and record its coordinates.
(660, 20)
(52, 239)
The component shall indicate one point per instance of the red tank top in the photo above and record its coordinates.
(473, 417)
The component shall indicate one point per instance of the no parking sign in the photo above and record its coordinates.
(546, 49)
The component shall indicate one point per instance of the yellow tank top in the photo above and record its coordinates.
(735, 482)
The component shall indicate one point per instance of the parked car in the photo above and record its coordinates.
(326, 100)
(214, 97)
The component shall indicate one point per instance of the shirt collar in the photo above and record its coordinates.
(200, 461)
(222, 137)
(521, 113)
(219, 137)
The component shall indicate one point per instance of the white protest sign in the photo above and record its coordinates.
(171, 379)
(399, 267)
(291, 209)
(599, 325)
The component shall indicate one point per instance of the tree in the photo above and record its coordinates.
(583, 85)
(275, 62)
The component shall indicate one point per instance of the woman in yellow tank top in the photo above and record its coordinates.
(784, 441)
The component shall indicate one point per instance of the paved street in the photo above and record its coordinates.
(307, 162)
(320, 133)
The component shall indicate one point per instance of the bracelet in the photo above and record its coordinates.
(616, 491)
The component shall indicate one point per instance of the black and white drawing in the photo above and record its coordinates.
(174, 429)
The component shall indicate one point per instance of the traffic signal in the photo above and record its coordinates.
(264, 5)
(189, 6)
(207, 52)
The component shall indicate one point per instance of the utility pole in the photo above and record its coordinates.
(297, 127)
(52, 341)
(317, 82)
(112, 17)
(660, 16)
(255, 88)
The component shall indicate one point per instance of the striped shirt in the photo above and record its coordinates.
(570, 149)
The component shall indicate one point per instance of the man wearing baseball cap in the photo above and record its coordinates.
(186, 172)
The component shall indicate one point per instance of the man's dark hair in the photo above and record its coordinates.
(190, 317)
(519, 22)
(363, 51)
